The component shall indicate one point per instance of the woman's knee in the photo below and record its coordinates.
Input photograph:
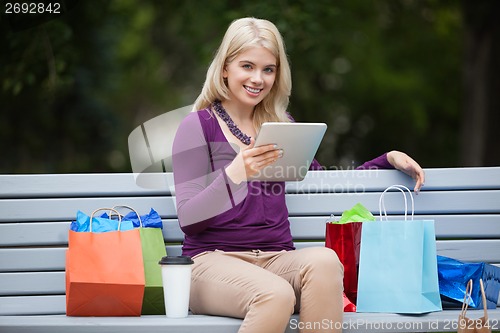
(324, 261)
(278, 296)
(271, 308)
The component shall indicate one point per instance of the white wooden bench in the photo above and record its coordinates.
(36, 210)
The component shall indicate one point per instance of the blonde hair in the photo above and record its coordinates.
(241, 35)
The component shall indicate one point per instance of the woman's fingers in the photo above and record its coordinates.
(408, 165)
(258, 158)
(420, 180)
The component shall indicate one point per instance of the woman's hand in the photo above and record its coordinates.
(251, 160)
(405, 163)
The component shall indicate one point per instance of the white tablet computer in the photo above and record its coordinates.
(299, 141)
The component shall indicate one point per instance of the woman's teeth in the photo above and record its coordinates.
(252, 90)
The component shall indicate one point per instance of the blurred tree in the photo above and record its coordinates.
(54, 75)
(481, 84)
(384, 74)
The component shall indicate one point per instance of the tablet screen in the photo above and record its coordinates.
(299, 141)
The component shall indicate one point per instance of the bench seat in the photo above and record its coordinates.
(353, 323)
(36, 210)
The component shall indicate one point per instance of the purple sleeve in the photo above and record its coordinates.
(201, 194)
(316, 166)
(380, 162)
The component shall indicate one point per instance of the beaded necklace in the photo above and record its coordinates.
(222, 113)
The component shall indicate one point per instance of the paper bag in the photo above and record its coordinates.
(153, 249)
(104, 273)
(344, 237)
(398, 265)
(467, 325)
(454, 276)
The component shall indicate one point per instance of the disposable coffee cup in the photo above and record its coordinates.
(176, 276)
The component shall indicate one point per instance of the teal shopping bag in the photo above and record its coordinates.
(398, 264)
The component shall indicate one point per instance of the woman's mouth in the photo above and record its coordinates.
(252, 90)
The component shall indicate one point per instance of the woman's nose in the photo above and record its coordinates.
(257, 77)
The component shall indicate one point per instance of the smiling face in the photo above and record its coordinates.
(250, 77)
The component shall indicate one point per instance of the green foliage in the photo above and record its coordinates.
(384, 74)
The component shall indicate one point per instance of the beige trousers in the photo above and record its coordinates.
(265, 288)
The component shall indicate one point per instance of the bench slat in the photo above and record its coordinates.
(30, 234)
(465, 250)
(32, 283)
(150, 324)
(45, 259)
(65, 209)
(445, 321)
(53, 259)
(353, 322)
(174, 250)
(56, 233)
(92, 185)
(312, 228)
(487, 250)
(32, 305)
(79, 185)
(457, 202)
(447, 179)
(467, 202)
(32, 259)
(447, 226)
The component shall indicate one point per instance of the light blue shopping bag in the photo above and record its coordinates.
(398, 264)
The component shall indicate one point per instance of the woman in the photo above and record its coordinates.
(237, 230)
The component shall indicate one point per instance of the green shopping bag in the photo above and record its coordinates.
(398, 265)
(153, 249)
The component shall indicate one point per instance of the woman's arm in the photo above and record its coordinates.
(400, 161)
(391, 160)
(380, 162)
(201, 193)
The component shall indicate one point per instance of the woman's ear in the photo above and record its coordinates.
(224, 75)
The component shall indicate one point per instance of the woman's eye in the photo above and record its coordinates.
(269, 70)
(247, 66)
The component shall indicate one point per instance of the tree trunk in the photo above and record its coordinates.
(480, 141)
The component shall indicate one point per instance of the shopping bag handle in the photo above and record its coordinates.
(468, 297)
(128, 207)
(402, 189)
(483, 295)
(110, 209)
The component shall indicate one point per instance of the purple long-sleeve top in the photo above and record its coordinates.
(216, 214)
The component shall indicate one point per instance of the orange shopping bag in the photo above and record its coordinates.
(104, 273)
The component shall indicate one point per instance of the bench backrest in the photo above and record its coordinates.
(36, 210)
